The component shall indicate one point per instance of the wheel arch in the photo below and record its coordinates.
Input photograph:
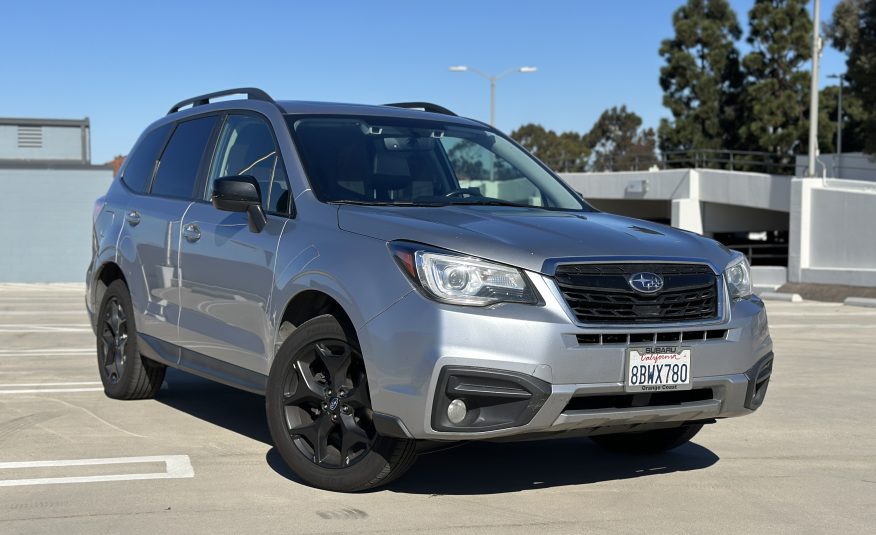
(108, 273)
(306, 305)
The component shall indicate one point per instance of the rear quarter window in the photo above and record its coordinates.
(178, 166)
(141, 163)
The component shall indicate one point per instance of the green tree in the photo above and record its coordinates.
(776, 94)
(853, 119)
(842, 28)
(619, 144)
(565, 153)
(861, 65)
(702, 78)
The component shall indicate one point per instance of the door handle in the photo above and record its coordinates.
(133, 217)
(191, 232)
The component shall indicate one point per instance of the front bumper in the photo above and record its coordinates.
(409, 345)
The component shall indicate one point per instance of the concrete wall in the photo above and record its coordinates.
(45, 223)
(700, 200)
(833, 232)
(55, 143)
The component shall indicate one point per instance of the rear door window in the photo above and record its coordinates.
(178, 166)
(246, 147)
(141, 162)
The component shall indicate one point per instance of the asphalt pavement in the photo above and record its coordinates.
(198, 459)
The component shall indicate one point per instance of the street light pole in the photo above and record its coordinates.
(813, 90)
(839, 123)
(492, 78)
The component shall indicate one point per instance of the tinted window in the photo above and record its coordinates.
(141, 163)
(246, 147)
(178, 167)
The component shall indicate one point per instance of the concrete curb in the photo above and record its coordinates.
(860, 302)
(779, 296)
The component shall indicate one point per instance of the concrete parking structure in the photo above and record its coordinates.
(806, 462)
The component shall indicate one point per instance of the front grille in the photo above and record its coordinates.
(628, 401)
(651, 338)
(600, 293)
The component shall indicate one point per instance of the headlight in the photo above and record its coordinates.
(463, 280)
(738, 277)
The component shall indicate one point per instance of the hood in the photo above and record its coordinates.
(531, 238)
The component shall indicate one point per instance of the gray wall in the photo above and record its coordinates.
(833, 232)
(45, 223)
(57, 143)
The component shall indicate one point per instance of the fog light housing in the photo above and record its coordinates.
(456, 411)
(469, 399)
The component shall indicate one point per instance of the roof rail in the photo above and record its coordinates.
(425, 106)
(251, 93)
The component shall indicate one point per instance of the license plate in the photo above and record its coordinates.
(658, 368)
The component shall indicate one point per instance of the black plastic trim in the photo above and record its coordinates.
(202, 365)
(425, 106)
(498, 399)
(252, 93)
(390, 426)
(758, 382)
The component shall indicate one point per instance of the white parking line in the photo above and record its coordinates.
(49, 391)
(14, 385)
(79, 312)
(13, 328)
(52, 350)
(176, 467)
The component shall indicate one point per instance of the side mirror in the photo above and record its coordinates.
(240, 194)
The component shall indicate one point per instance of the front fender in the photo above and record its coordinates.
(356, 271)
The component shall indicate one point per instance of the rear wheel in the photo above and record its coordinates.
(124, 372)
(319, 412)
(655, 441)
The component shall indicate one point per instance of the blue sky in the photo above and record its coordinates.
(123, 64)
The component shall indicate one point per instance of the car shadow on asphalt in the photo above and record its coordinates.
(220, 405)
(495, 468)
(471, 468)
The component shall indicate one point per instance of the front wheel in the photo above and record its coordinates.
(319, 412)
(655, 441)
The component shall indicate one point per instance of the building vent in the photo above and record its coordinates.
(30, 137)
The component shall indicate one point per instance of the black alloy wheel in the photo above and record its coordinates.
(326, 404)
(114, 339)
(320, 415)
(124, 372)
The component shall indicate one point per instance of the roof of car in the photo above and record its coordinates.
(302, 107)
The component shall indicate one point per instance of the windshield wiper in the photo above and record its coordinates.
(385, 203)
(488, 202)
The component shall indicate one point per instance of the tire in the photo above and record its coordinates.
(124, 372)
(319, 412)
(656, 441)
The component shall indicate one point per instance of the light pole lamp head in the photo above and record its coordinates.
(458, 68)
(527, 69)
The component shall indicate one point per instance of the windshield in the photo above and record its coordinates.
(377, 160)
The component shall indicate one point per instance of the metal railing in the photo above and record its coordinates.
(730, 160)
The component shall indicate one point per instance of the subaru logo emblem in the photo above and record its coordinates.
(646, 283)
(333, 404)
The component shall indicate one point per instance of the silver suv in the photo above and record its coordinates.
(393, 278)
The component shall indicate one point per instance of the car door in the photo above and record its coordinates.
(227, 269)
(153, 221)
